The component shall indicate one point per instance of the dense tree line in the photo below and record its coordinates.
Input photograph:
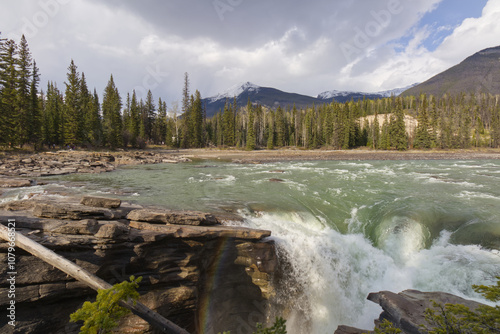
(423, 122)
(76, 117)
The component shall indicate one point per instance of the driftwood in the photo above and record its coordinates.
(94, 282)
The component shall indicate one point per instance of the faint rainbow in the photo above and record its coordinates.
(222, 253)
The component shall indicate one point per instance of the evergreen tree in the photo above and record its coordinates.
(280, 127)
(135, 120)
(196, 121)
(34, 111)
(73, 113)
(160, 131)
(23, 120)
(186, 107)
(96, 135)
(270, 131)
(52, 116)
(228, 125)
(250, 144)
(397, 128)
(148, 117)
(422, 137)
(111, 112)
(9, 94)
(375, 132)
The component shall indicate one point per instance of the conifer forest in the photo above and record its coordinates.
(73, 115)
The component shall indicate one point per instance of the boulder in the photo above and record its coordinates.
(406, 309)
(72, 211)
(14, 183)
(85, 227)
(101, 202)
(174, 217)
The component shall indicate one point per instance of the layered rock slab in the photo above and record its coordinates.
(193, 275)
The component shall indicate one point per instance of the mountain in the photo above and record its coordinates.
(342, 96)
(477, 73)
(265, 96)
(272, 97)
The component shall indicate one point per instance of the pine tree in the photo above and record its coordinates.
(423, 138)
(96, 132)
(34, 111)
(111, 112)
(196, 120)
(160, 131)
(375, 132)
(148, 117)
(186, 107)
(23, 125)
(280, 127)
(73, 113)
(397, 128)
(270, 131)
(9, 93)
(250, 145)
(52, 116)
(135, 120)
(228, 125)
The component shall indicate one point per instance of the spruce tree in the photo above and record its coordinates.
(375, 132)
(73, 113)
(270, 131)
(423, 138)
(111, 112)
(228, 125)
(51, 116)
(399, 138)
(250, 145)
(148, 116)
(9, 93)
(135, 120)
(34, 111)
(23, 120)
(196, 120)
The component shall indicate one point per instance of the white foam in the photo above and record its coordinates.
(335, 272)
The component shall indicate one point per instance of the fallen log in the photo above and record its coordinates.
(94, 282)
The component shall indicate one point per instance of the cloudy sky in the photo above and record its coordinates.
(298, 46)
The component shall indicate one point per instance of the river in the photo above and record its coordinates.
(346, 228)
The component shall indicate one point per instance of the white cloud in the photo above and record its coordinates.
(292, 45)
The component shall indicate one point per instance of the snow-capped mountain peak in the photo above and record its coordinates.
(387, 93)
(235, 91)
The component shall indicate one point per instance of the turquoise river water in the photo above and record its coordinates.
(346, 228)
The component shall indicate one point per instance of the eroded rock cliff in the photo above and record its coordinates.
(202, 275)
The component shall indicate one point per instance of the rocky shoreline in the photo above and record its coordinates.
(69, 162)
(179, 254)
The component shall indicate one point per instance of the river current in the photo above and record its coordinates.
(346, 228)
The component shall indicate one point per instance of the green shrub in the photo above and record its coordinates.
(101, 316)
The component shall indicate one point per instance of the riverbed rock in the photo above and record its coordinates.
(14, 183)
(101, 202)
(73, 211)
(406, 309)
(193, 275)
(174, 217)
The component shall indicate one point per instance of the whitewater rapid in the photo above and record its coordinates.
(343, 229)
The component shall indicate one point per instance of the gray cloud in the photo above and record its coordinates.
(299, 46)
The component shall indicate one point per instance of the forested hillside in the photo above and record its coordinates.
(75, 117)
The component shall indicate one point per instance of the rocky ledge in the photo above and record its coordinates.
(406, 309)
(68, 162)
(198, 273)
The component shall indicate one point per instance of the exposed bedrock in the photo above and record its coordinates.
(206, 279)
(406, 309)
